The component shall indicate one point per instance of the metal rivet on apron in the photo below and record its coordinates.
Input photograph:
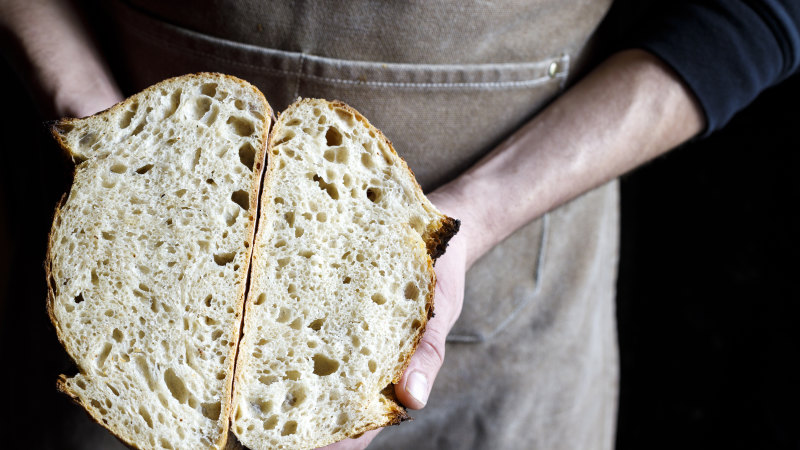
(553, 69)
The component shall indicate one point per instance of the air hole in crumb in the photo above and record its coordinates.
(289, 216)
(208, 300)
(294, 398)
(144, 169)
(286, 137)
(241, 198)
(211, 410)
(125, 120)
(324, 366)
(271, 423)
(298, 232)
(296, 324)
(241, 126)
(411, 291)
(378, 299)
(330, 188)
(196, 159)
(176, 386)
(261, 299)
(374, 194)
(316, 324)
(146, 416)
(209, 89)
(117, 335)
(267, 379)
(101, 358)
(88, 140)
(224, 258)
(333, 137)
(416, 324)
(289, 427)
(293, 123)
(367, 161)
(64, 128)
(201, 107)
(346, 116)
(417, 224)
(247, 155)
(284, 315)
(78, 298)
(372, 365)
(346, 280)
(119, 168)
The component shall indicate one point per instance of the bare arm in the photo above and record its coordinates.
(54, 55)
(629, 110)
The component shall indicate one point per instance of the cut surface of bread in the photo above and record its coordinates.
(341, 282)
(149, 252)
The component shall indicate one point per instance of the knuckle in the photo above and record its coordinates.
(432, 352)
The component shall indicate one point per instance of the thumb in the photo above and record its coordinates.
(415, 384)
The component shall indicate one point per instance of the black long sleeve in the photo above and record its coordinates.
(727, 51)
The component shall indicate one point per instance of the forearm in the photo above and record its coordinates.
(627, 111)
(54, 54)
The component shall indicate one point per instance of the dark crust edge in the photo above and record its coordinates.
(58, 134)
(437, 240)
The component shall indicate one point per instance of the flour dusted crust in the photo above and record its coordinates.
(148, 256)
(341, 286)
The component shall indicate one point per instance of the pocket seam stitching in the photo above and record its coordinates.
(560, 76)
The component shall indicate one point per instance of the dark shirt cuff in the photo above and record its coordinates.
(726, 51)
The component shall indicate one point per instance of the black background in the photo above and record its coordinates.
(708, 285)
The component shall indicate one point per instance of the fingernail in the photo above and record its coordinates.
(417, 386)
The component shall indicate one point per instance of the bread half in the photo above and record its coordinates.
(148, 256)
(341, 286)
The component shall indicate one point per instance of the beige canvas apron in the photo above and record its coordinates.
(532, 361)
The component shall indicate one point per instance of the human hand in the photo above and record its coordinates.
(417, 380)
(84, 97)
(54, 55)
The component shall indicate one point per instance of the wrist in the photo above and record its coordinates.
(474, 234)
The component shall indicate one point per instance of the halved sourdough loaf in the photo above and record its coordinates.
(148, 256)
(341, 283)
